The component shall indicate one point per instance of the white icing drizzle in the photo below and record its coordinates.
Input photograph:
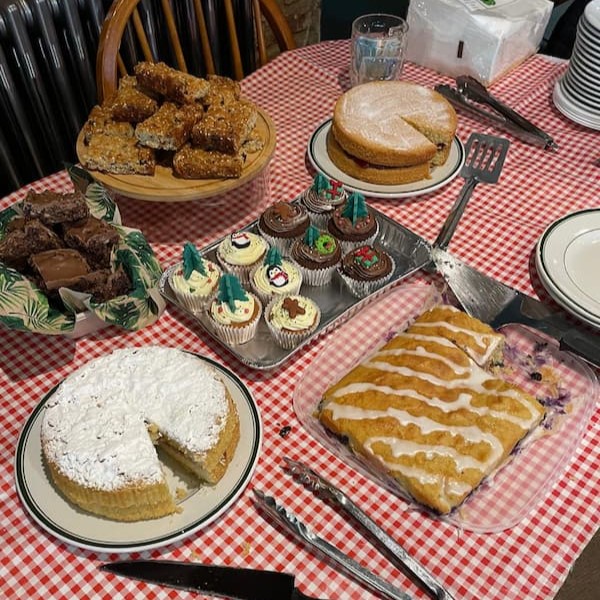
(463, 401)
(95, 425)
(469, 380)
(485, 340)
(409, 448)
(470, 433)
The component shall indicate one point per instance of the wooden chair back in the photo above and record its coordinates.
(223, 37)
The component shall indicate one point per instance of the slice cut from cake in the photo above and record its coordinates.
(101, 426)
(426, 414)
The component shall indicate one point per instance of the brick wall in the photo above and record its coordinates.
(304, 17)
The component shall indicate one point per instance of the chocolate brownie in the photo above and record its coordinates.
(52, 207)
(94, 237)
(25, 238)
(64, 267)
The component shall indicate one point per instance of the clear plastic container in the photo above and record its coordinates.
(505, 498)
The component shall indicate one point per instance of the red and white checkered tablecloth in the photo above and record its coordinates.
(497, 235)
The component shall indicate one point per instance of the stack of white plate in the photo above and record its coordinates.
(567, 258)
(577, 93)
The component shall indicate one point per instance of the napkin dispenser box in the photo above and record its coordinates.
(470, 37)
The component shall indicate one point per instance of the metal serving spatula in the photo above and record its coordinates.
(485, 156)
(493, 302)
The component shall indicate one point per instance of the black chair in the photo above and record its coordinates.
(47, 57)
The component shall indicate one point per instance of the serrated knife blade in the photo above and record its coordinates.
(493, 302)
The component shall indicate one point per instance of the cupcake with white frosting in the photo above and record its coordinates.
(234, 313)
(291, 319)
(195, 280)
(240, 252)
(276, 276)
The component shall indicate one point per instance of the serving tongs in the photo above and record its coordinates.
(394, 551)
(472, 97)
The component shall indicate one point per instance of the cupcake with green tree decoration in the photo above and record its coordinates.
(275, 277)
(322, 198)
(354, 224)
(195, 280)
(317, 254)
(235, 312)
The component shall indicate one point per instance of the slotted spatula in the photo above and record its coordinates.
(485, 156)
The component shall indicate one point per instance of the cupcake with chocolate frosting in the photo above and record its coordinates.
(354, 224)
(322, 198)
(283, 222)
(366, 269)
(317, 254)
(195, 280)
(275, 277)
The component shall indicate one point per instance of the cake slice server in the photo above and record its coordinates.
(493, 302)
(395, 552)
(484, 158)
(295, 526)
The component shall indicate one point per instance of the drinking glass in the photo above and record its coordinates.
(378, 48)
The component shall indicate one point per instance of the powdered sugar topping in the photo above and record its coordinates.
(95, 427)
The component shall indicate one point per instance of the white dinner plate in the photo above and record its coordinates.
(201, 506)
(440, 176)
(564, 301)
(567, 107)
(567, 255)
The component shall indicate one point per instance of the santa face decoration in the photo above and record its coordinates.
(240, 240)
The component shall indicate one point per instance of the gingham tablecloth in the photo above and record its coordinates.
(497, 235)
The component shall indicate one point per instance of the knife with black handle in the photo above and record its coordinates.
(223, 582)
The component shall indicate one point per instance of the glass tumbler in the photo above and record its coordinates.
(378, 48)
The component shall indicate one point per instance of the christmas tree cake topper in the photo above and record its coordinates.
(355, 208)
(320, 183)
(192, 261)
(311, 236)
(273, 257)
(230, 290)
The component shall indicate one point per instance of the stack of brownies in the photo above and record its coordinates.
(201, 128)
(58, 243)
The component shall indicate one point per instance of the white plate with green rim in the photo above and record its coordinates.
(201, 505)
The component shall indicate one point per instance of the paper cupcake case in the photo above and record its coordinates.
(24, 307)
(282, 244)
(289, 339)
(191, 301)
(347, 245)
(362, 289)
(235, 335)
(267, 297)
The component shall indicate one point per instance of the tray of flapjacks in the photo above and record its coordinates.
(170, 136)
(459, 421)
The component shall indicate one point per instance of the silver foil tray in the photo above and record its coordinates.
(409, 251)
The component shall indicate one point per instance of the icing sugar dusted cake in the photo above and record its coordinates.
(101, 426)
(391, 124)
(425, 411)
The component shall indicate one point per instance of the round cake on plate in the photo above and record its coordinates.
(101, 427)
(391, 124)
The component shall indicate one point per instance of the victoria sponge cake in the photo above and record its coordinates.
(101, 426)
(394, 124)
(426, 410)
